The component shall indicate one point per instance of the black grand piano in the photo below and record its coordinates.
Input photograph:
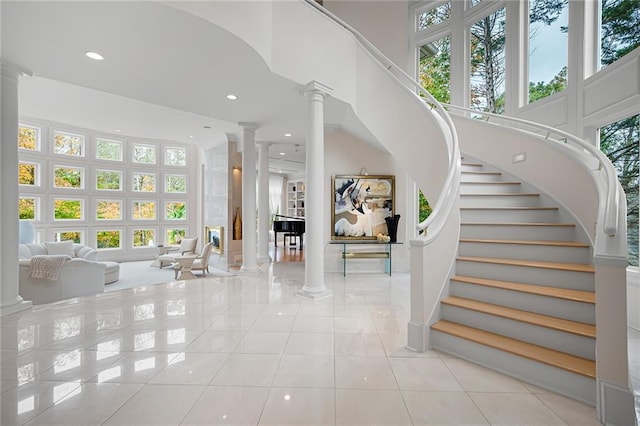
(291, 226)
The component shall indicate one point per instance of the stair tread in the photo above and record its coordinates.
(577, 267)
(493, 182)
(530, 351)
(505, 194)
(481, 172)
(559, 224)
(527, 242)
(554, 323)
(560, 293)
(509, 208)
(465, 163)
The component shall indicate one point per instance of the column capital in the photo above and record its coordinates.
(13, 70)
(263, 143)
(249, 126)
(315, 87)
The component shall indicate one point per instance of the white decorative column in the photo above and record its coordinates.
(314, 287)
(249, 255)
(263, 202)
(10, 300)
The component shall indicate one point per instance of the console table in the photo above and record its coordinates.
(382, 251)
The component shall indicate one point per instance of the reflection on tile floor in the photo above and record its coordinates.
(246, 350)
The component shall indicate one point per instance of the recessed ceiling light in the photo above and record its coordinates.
(191, 136)
(94, 55)
(118, 130)
(288, 135)
(232, 97)
(282, 153)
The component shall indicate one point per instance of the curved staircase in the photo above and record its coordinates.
(522, 299)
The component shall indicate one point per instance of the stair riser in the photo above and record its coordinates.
(528, 275)
(484, 188)
(509, 216)
(518, 232)
(560, 308)
(525, 251)
(472, 200)
(472, 168)
(480, 177)
(564, 342)
(555, 379)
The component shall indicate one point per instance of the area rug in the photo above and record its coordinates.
(136, 274)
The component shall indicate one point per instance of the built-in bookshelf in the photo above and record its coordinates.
(295, 198)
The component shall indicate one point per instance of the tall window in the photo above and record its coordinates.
(619, 30)
(619, 141)
(435, 59)
(487, 38)
(548, 21)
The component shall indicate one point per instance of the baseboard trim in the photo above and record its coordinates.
(615, 404)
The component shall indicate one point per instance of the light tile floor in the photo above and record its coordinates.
(247, 350)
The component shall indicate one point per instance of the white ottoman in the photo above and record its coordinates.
(111, 272)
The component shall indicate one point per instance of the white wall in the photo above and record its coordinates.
(383, 23)
(346, 154)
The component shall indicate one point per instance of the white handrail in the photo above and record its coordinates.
(449, 191)
(612, 202)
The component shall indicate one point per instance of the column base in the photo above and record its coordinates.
(417, 337)
(264, 259)
(249, 270)
(15, 307)
(314, 294)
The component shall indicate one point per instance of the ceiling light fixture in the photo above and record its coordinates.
(94, 55)
(232, 97)
(282, 153)
(191, 136)
(288, 135)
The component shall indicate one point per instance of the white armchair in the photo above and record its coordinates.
(201, 263)
(187, 246)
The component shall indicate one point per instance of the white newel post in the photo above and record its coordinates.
(10, 300)
(249, 251)
(314, 287)
(263, 202)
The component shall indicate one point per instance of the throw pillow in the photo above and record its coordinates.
(63, 247)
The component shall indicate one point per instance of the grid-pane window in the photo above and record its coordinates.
(143, 237)
(108, 239)
(28, 208)
(175, 157)
(174, 236)
(175, 184)
(434, 16)
(548, 47)
(487, 80)
(175, 210)
(435, 58)
(143, 154)
(67, 209)
(28, 174)
(68, 177)
(108, 150)
(29, 138)
(143, 182)
(108, 180)
(144, 210)
(68, 144)
(108, 210)
(75, 236)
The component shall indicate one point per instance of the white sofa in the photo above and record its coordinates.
(80, 276)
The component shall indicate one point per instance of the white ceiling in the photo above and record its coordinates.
(165, 75)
